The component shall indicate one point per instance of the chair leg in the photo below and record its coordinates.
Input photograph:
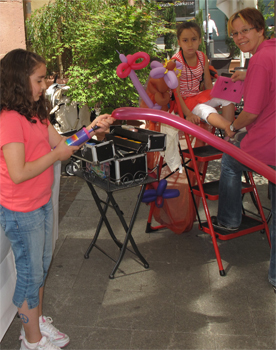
(149, 228)
(206, 209)
(260, 208)
(212, 233)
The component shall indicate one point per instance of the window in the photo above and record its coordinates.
(183, 9)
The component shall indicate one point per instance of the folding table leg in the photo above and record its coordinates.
(103, 218)
(128, 230)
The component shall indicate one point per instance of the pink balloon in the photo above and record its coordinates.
(126, 68)
(132, 113)
(133, 58)
(129, 63)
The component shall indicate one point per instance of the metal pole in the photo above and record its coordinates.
(27, 10)
(27, 6)
(207, 29)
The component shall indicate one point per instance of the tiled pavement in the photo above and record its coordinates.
(69, 188)
(180, 302)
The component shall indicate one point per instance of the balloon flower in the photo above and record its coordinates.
(159, 194)
(170, 71)
(127, 68)
(162, 79)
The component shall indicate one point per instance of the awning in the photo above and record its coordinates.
(228, 7)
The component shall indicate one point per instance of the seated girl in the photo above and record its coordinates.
(198, 104)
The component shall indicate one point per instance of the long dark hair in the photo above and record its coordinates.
(16, 93)
(188, 25)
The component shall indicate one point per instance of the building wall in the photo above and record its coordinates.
(216, 15)
(220, 18)
(12, 33)
(36, 4)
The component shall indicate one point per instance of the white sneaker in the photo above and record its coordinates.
(43, 344)
(55, 336)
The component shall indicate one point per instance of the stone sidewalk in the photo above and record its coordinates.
(180, 302)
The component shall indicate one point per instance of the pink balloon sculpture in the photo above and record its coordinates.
(132, 113)
(127, 67)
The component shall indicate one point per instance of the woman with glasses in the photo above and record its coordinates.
(247, 28)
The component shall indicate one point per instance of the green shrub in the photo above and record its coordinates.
(170, 39)
(199, 21)
(80, 38)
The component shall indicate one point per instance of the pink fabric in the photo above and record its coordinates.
(259, 97)
(226, 89)
(34, 193)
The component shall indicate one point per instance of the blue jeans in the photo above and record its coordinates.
(30, 235)
(230, 203)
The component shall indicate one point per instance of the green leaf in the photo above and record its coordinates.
(85, 35)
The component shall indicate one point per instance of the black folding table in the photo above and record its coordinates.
(109, 187)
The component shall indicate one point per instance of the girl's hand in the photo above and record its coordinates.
(238, 75)
(193, 118)
(64, 151)
(103, 121)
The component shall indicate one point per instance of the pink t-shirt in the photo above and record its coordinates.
(259, 98)
(34, 193)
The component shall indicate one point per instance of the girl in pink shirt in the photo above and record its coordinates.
(29, 146)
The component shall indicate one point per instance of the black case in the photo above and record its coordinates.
(125, 170)
(129, 168)
(96, 152)
(141, 141)
(122, 165)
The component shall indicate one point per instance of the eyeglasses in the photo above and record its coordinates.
(242, 32)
